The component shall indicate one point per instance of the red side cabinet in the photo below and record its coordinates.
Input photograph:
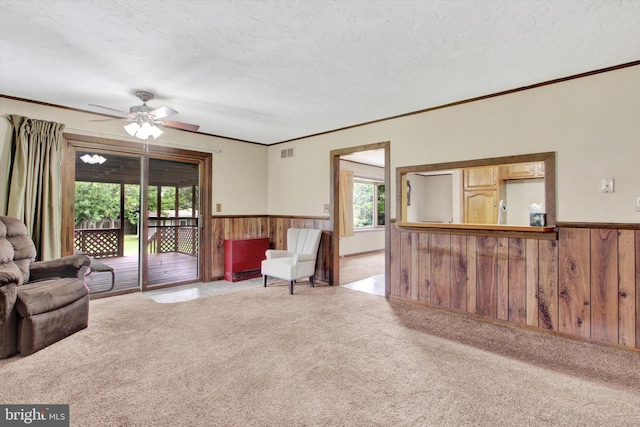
(242, 258)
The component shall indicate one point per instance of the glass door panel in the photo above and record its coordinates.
(172, 223)
(107, 203)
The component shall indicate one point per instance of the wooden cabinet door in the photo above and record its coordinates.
(525, 170)
(521, 171)
(481, 207)
(480, 178)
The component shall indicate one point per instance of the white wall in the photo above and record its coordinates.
(431, 198)
(239, 170)
(592, 124)
(521, 193)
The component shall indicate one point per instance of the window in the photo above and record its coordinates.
(368, 203)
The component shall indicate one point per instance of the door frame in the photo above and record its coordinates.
(204, 160)
(335, 212)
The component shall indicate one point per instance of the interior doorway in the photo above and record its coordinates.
(137, 213)
(359, 253)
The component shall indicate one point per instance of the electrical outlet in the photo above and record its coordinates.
(606, 185)
(638, 204)
(326, 207)
(218, 207)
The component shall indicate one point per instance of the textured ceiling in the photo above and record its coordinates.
(271, 71)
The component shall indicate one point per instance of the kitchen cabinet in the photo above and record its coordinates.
(483, 189)
(525, 170)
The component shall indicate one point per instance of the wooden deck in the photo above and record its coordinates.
(164, 268)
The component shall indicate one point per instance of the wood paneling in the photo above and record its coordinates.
(486, 277)
(517, 281)
(584, 285)
(275, 228)
(574, 312)
(532, 282)
(548, 285)
(604, 285)
(406, 248)
(394, 268)
(415, 271)
(627, 288)
(424, 272)
(502, 279)
(637, 288)
(472, 260)
(440, 248)
(459, 272)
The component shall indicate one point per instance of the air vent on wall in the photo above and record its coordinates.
(287, 152)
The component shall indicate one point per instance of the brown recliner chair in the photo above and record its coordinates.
(40, 302)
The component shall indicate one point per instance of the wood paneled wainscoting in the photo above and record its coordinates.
(585, 284)
(273, 227)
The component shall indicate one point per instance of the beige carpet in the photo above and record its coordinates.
(326, 356)
(358, 267)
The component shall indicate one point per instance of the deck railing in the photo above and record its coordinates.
(104, 243)
(179, 239)
(98, 243)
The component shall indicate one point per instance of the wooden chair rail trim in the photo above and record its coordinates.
(484, 230)
(599, 225)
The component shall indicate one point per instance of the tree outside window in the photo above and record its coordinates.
(368, 204)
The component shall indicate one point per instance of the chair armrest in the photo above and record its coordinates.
(8, 297)
(303, 257)
(10, 274)
(276, 253)
(10, 278)
(68, 266)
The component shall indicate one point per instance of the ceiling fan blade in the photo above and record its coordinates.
(124, 113)
(179, 125)
(162, 112)
(108, 120)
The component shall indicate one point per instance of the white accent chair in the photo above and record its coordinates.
(298, 261)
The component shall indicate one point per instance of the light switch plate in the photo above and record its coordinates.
(638, 204)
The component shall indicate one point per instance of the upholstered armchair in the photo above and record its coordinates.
(298, 261)
(41, 302)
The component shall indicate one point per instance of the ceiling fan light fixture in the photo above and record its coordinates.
(132, 128)
(155, 131)
(144, 130)
(142, 119)
(93, 159)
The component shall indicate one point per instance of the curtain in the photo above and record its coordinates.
(35, 190)
(346, 203)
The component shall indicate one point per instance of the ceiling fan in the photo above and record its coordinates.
(144, 118)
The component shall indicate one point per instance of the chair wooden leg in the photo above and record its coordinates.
(264, 280)
(311, 281)
(291, 287)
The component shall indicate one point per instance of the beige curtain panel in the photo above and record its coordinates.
(346, 203)
(35, 190)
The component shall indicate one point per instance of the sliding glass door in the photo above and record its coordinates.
(172, 223)
(137, 212)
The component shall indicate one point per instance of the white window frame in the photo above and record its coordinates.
(376, 183)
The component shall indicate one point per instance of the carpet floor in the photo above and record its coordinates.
(325, 356)
(358, 267)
